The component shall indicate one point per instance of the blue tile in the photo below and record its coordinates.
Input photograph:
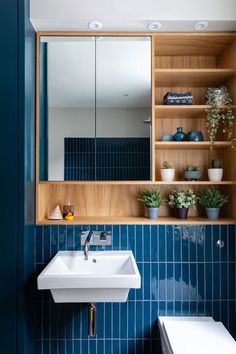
(154, 281)
(170, 284)
(146, 243)
(208, 244)
(209, 275)
(116, 323)
(223, 281)
(193, 282)
(70, 238)
(39, 244)
(178, 281)
(216, 237)
(154, 243)
(46, 244)
(162, 244)
(216, 281)
(169, 241)
(139, 243)
(177, 244)
(108, 320)
(147, 278)
(162, 281)
(123, 320)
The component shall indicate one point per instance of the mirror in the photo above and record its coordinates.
(95, 108)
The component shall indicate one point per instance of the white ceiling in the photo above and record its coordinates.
(123, 72)
(132, 15)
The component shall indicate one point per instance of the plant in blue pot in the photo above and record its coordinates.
(180, 135)
(182, 201)
(212, 199)
(153, 200)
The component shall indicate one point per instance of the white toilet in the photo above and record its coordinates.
(194, 335)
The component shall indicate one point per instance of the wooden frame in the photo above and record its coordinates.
(179, 60)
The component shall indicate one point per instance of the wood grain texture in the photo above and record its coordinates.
(192, 77)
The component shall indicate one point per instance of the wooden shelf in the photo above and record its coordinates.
(181, 111)
(196, 145)
(192, 77)
(132, 220)
(196, 183)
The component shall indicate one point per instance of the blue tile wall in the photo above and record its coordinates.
(115, 159)
(183, 273)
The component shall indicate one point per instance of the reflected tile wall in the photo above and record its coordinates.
(183, 273)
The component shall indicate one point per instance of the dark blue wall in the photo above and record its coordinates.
(183, 273)
(17, 86)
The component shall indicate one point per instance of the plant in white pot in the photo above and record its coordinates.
(167, 172)
(153, 200)
(182, 201)
(212, 199)
(215, 173)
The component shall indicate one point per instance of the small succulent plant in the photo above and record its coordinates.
(217, 163)
(191, 168)
(166, 165)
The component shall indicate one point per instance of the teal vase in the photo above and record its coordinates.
(180, 135)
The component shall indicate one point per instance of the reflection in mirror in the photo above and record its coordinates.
(95, 99)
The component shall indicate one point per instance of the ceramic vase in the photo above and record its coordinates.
(180, 135)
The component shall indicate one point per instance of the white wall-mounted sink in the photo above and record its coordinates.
(107, 276)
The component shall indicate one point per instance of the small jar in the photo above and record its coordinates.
(180, 135)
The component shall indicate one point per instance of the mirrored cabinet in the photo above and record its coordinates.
(95, 108)
(101, 121)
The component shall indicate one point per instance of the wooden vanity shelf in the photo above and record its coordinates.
(180, 62)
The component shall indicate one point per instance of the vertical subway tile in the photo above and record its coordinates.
(154, 243)
(162, 243)
(169, 242)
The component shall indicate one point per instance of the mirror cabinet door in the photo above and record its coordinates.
(95, 108)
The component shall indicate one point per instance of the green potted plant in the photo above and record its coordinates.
(153, 200)
(215, 173)
(192, 173)
(182, 201)
(219, 114)
(212, 199)
(167, 172)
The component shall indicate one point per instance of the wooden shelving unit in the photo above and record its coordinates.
(180, 62)
(192, 77)
(183, 145)
(116, 220)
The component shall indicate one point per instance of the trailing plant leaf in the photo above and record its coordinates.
(213, 198)
(152, 198)
(219, 114)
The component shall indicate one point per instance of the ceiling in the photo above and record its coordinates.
(132, 15)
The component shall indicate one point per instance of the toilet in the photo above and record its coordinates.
(194, 335)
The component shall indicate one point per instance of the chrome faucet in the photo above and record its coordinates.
(87, 245)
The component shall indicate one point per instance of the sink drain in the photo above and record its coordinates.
(94, 261)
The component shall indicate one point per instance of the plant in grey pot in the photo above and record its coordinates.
(182, 201)
(212, 199)
(192, 173)
(153, 200)
(215, 173)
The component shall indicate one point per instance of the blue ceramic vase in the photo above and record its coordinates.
(180, 135)
(195, 135)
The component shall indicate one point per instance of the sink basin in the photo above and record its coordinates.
(107, 276)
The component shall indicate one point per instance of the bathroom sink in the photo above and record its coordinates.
(107, 276)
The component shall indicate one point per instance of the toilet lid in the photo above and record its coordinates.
(199, 337)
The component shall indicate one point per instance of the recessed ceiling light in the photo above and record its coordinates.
(154, 26)
(95, 25)
(201, 26)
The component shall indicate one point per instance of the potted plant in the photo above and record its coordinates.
(213, 200)
(182, 201)
(219, 114)
(153, 200)
(167, 172)
(215, 173)
(192, 173)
